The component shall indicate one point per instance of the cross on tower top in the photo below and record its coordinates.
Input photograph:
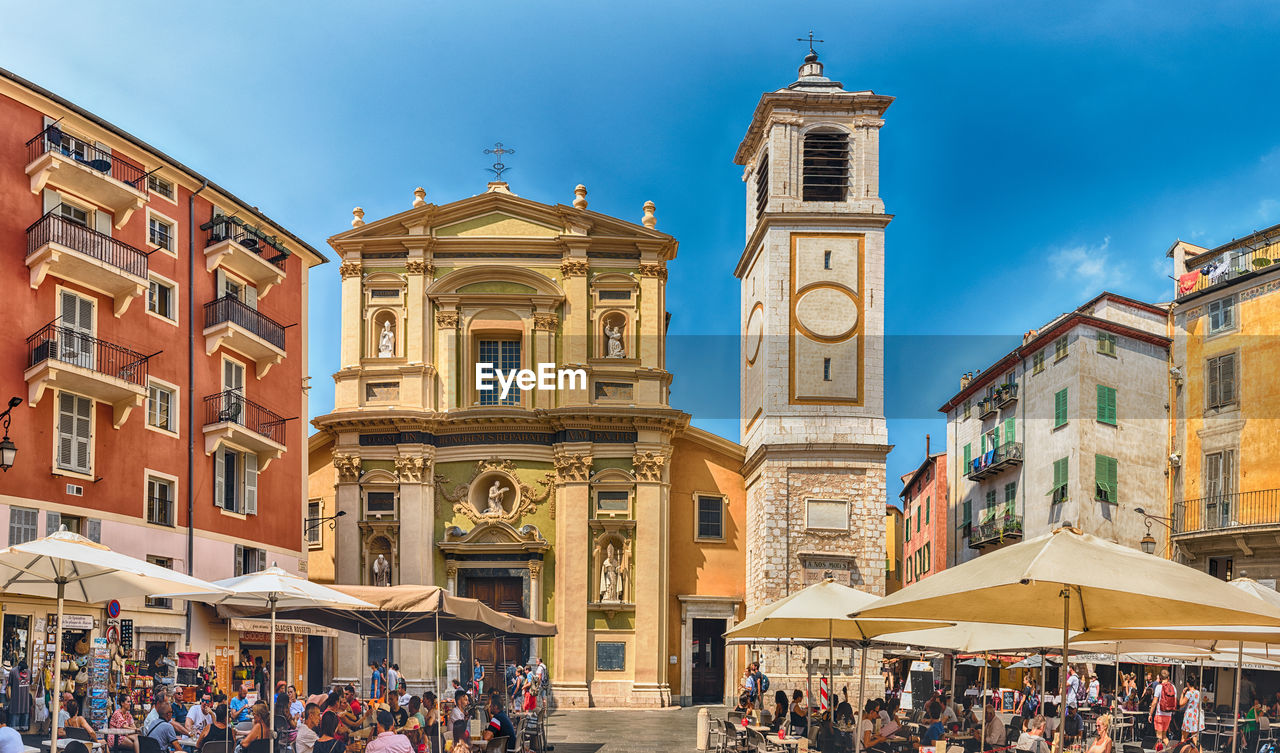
(497, 151)
(811, 42)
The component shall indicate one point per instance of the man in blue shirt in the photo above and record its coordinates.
(164, 733)
(500, 724)
(379, 684)
(240, 706)
(477, 676)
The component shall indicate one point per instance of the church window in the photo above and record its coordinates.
(613, 501)
(710, 517)
(826, 166)
(380, 503)
(762, 184)
(505, 357)
(826, 369)
(826, 260)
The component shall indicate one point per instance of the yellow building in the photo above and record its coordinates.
(1225, 451)
(892, 548)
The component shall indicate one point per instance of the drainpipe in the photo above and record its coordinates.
(191, 393)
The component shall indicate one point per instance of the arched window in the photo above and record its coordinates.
(826, 166)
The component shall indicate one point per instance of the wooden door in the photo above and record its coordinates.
(504, 595)
(708, 661)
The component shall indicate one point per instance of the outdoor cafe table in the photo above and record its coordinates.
(772, 737)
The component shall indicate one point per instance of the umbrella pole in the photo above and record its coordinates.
(1235, 704)
(57, 663)
(831, 675)
(986, 667)
(862, 690)
(271, 702)
(439, 689)
(808, 675)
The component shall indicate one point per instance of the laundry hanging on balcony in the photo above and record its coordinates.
(1188, 281)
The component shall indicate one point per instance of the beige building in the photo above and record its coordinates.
(1069, 427)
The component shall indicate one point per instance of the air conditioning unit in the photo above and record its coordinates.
(75, 490)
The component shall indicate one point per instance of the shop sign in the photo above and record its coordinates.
(262, 628)
(73, 621)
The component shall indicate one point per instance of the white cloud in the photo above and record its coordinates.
(1087, 267)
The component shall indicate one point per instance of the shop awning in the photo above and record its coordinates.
(283, 627)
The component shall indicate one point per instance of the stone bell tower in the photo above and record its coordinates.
(812, 275)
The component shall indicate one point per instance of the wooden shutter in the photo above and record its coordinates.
(1106, 404)
(102, 221)
(250, 483)
(1213, 474)
(1009, 435)
(968, 513)
(251, 296)
(219, 478)
(94, 533)
(82, 439)
(51, 200)
(1113, 479)
(239, 565)
(1227, 378)
(982, 445)
(1212, 391)
(66, 430)
(968, 456)
(52, 523)
(1060, 408)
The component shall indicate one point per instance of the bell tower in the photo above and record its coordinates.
(812, 275)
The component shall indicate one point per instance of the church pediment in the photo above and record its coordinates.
(496, 224)
(495, 537)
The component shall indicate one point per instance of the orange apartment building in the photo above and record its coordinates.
(924, 517)
(157, 338)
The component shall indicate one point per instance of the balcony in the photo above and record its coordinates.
(245, 251)
(997, 526)
(1231, 267)
(230, 416)
(56, 159)
(1005, 394)
(986, 408)
(1239, 512)
(64, 358)
(229, 322)
(65, 248)
(994, 462)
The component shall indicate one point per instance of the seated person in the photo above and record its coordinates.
(995, 734)
(798, 714)
(500, 725)
(779, 711)
(74, 720)
(745, 706)
(871, 742)
(1032, 738)
(163, 730)
(934, 732)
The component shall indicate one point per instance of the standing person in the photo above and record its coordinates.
(1095, 690)
(761, 683)
(431, 721)
(541, 676)
(749, 684)
(1193, 717)
(1163, 703)
(392, 672)
(260, 679)
(1029, 701)
(477, 677)
(378, 683)
(19, 690)
(1073, 688)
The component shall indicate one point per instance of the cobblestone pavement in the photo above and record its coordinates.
(626, 731)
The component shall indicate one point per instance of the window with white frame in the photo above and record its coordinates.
(161, 400)
(160, 232)
(73, 213)
(75, 440)
(160, 501)
(158, 185)
(710, 517)
(1222, 314)
(167, 563)
(24, 523)
(249, 560)
(235, 481)
(830, 514)
(160, 299)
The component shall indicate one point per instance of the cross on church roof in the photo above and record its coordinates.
(811, 42)
(498, 150)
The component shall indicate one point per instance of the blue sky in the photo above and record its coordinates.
(1037, 153)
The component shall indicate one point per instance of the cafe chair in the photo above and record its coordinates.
(496, 745)
(148, 744)
(75, 733)
(75, 746)
(218, 746)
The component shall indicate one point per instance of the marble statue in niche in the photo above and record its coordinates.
(387, 341)
(614, 333)
(496, 492)
(381, 571)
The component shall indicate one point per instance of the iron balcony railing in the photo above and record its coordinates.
(54, 139)
(1227, 511)
(231, 309)
(1005, 394)
(54, 228)
(996, 531)
(231, 406)
(52, 342)
(994, 461)
(1228, 267)
(986, 407)
(222, 228)
(160, 511)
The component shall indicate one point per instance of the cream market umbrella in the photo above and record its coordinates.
(67, 566)
(822, 611)
(274, 589)
(1073, 581)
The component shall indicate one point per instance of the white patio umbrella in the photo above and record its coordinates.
(273, 589)
(65, 565)
(1073, 581)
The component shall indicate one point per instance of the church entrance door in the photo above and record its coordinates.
(505, 595)
(708, 661)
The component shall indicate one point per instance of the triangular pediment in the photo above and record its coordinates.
(497, 224)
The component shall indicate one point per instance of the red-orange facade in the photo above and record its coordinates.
(159, 350)
(924, 519)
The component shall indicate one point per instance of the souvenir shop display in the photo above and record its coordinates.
(140, 686)
(97, 698)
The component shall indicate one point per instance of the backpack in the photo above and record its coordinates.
(1168, 697)
(763, 682)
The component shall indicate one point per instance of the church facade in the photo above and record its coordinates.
(568, 489)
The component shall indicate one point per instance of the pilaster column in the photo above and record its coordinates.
(574, 273)
(352, 311)
(544, 351)
(416, 330)
(415, 469)
(453, 664)
(569, 678)
(535, 601)
(653, 282)
(348, 662)
(649, 680)
(447, 357)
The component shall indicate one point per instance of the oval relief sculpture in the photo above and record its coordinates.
(755, 332)
(827, 313)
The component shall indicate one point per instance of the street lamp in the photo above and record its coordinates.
(332, 520)
(1148, 542)
(8, 450)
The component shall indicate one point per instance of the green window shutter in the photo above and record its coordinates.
(1105, 471)
(1059, 479)
(982, 444)
(967, 512)
(995, 437)
(1113, 480)
(1060, 408)
(1010, 492)
(1008, 430)
(968, 456)
(1107, 404)
(928, 504)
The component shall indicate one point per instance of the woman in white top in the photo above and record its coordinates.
(866, 730)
